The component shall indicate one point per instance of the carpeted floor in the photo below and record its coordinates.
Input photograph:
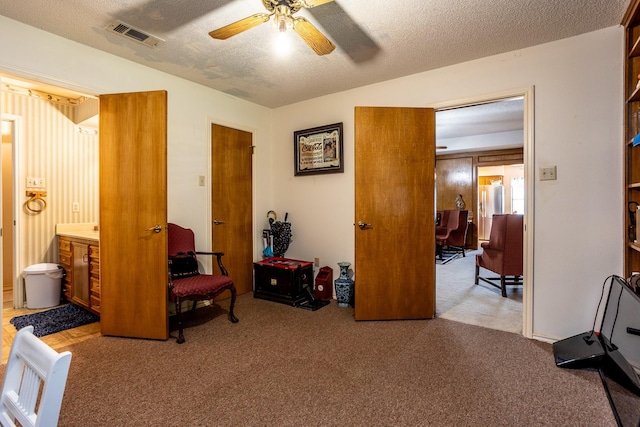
(281, 366)
(459, 299)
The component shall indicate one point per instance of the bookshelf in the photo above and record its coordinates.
(631, 24)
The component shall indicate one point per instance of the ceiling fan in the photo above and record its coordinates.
(283, 11)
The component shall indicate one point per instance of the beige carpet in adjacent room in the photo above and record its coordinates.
(459, 299)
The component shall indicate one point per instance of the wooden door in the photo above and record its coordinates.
(394, 213)
(133, 215)
(232, 228)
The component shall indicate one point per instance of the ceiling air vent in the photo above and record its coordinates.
(134, 34)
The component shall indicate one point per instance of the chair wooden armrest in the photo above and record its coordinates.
(218, 256)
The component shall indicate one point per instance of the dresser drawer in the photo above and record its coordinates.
(64, 259)
(65, 245)
(94, 251)
(95, 286)
(95, 303)
(94, 268)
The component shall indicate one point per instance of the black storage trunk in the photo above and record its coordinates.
(283, 280)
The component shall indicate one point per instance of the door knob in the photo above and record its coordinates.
(363, 225)
(156, 229)
(217, 222)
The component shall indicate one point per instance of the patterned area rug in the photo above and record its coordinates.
(55, 320)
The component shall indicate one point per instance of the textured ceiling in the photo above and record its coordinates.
(476, 127)
(376, 40)
(501, 116)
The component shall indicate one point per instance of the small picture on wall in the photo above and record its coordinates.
(318, 150)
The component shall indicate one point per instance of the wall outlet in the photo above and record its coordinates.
(75, 207)
(201, 180)
(316, 262)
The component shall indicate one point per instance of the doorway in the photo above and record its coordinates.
(526, 159)
(48, 141)
(54, 152)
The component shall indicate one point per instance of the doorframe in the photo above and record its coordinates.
(529, 176)
(253, 131)
(17, 153)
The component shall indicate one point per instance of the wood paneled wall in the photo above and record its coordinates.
(457, 174)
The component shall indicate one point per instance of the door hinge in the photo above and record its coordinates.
(253, 149)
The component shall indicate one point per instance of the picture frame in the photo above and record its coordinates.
(318, 150)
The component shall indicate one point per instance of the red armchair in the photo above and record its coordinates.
(451, 231)
(186, 283)
(503, 253)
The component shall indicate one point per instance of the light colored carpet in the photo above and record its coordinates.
(459, 299)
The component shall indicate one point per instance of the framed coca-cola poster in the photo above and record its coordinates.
(318, 150)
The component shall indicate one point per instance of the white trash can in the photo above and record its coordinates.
(43, 285)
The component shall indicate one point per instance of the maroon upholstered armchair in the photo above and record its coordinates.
(451, 233)
(186, 283)
(503, 253)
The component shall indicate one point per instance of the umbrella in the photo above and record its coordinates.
(280, 236)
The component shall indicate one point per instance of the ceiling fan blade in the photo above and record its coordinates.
(314, 38)
(165, 15)
(313, 3)
(345, 32)
(239, 26)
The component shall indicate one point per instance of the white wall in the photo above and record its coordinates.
(578, 127)
(32, 53)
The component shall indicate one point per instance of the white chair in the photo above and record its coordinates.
(35, 375)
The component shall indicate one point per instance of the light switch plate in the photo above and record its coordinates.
(33, 182)
(548, 173)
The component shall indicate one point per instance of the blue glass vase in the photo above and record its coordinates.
(344, 285)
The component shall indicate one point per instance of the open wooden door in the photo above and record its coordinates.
(394, 213)
(231, 200)
(133, 215)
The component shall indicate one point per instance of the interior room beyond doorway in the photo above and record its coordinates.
(461, 153)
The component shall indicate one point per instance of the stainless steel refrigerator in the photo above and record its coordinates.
(491, 201)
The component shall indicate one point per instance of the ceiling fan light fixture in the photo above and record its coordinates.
(282, 44)
(282, 12)
(283, 19)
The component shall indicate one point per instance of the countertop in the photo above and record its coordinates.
(79, 230)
